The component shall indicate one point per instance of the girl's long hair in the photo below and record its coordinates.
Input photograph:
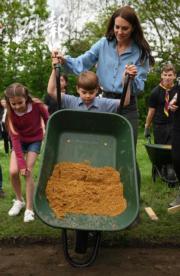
(16, 90)
(129, 15)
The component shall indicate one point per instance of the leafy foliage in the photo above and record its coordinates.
(25, 57)
(162, 26)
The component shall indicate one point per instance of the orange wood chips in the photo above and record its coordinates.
(82, 189)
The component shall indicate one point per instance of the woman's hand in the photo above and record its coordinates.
(57, 57)
(131, 70)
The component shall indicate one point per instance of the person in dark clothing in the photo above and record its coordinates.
(49, 100)
(175, 106)
(3, 131)
(160, 116)
(2, 193)
(176, 138)
(4, 136)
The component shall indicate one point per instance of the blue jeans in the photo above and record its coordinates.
(34, 147)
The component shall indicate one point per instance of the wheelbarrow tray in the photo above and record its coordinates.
(159, 154)
(103, 139)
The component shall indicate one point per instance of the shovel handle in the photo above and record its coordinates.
(58, 84)
(126, 84)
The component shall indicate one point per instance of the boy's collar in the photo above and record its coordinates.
(94, 102)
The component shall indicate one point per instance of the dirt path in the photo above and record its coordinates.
(48, 260)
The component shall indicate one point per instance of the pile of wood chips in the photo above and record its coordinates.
(82, 189)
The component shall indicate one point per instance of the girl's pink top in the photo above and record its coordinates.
(29, 129)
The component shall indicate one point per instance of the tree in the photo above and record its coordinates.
(25, 56)
(162, 26)
(91, 32)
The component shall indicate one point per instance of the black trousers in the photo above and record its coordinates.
(176, 152)
(131, 114)
(1, 178)
(163, 133)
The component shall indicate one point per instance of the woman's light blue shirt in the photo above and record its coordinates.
(110, 65)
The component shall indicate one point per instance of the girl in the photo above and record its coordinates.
(24, 120)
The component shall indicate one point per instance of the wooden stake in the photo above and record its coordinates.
(151, 213)
(174, 209)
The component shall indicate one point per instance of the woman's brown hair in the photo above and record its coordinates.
(129, 15)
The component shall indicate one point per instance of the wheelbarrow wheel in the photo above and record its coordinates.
(81, 247)
(168, 175)
(171, 176)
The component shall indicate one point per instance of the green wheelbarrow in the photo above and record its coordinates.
(162, 166)
(103, 139)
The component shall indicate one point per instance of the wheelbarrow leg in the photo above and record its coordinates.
(90, 259)
(81, 241)
(154, 173)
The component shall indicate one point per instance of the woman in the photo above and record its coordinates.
(122, 51)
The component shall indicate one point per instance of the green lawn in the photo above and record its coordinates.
(157, 195)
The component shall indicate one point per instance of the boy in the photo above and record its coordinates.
(87, 88)
(160, 115)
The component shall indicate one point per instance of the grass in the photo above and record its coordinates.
(157, 195)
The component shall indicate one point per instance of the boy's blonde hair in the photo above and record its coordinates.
(88, 80)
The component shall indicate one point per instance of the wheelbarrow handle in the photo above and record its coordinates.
(58, 84)
(149, 140)
(126, 84)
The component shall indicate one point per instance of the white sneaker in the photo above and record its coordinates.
(16, 208)
(28, 215)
